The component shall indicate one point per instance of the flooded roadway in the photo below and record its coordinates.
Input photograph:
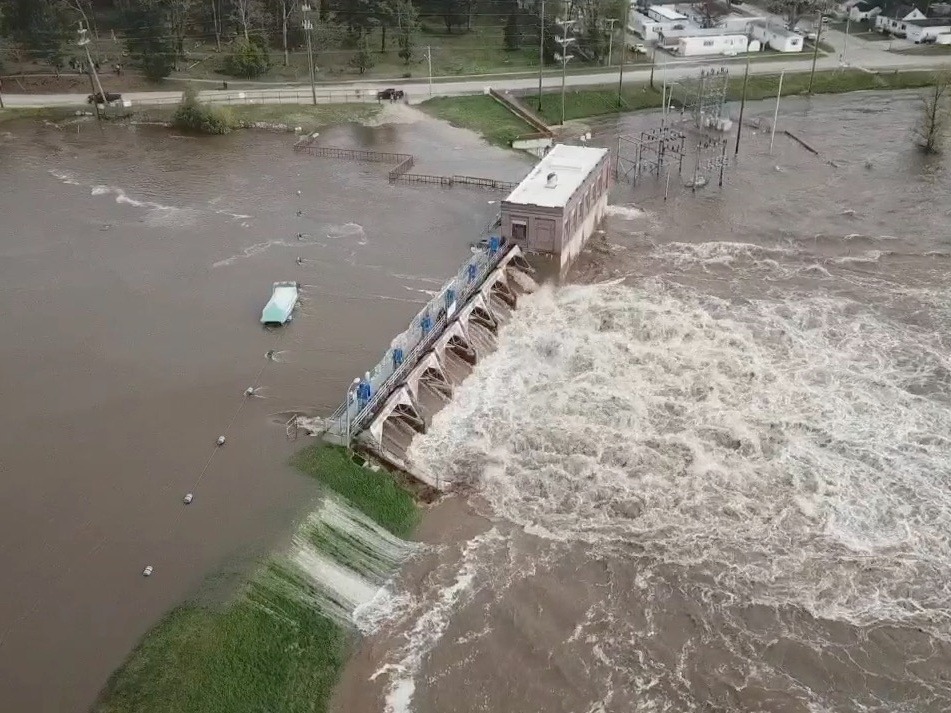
(133, 267)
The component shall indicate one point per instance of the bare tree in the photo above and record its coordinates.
(794, 10)
(216, 21)
(179, 14)
(246, 13)
(710, 12)
(285, 9)
(83, 8)
(935, 114)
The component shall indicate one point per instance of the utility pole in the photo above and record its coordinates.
(1, 93)
(845, 45)
(564, 41)
(541, 52)
(309, 30)
(612, 20)
(739, 125)
(620, 76)
(815, 53)
(779, 93)
(83, 42)
(429, 58)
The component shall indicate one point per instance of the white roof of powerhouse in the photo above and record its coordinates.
(571, 165)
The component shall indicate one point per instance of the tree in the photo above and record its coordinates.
(40, 26)
(512, 36)
(81, 10)
(192, 115)
(711, 12)
(794, 10)
(285, 8)
(246, 14)
(180, 14)
(248, 58)
(407, 29)
(935, 114)
(148, 37)
(362, 60)
(454, 13)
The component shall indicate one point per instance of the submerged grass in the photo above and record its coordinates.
(270, 648)
(374, 493)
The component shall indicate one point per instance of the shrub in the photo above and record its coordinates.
(192, 115)
(247, 59)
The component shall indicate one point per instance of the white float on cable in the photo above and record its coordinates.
(188, 498)
(249, 391)
(147, 572)
(220, 441)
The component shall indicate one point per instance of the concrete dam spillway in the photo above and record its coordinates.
(552, 212)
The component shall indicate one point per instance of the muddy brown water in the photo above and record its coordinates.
(133, 267)
(712, 471)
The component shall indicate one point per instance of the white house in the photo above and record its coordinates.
(865, 10)
(921, 30)
(776, 36)
(896, 21)
(662, 13)
(670, 39)
(648, 29)
(715, 44)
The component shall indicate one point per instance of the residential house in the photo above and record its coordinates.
(894, 21)
(776, 36)
(866, 10)
(928, 30)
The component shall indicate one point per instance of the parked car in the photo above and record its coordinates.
(638, 48)
(390, 94)
(927, 40)
(97, 98)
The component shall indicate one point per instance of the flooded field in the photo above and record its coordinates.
(133, 267)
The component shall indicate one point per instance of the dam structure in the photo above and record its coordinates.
(552, 212)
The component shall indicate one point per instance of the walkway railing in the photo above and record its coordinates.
(415, 341)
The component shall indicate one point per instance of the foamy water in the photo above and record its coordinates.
(791, 453)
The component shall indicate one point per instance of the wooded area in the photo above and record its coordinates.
(252, 39)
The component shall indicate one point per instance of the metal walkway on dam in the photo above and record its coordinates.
(419, 372)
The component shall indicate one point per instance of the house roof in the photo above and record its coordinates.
(932, 22)
(571, 166)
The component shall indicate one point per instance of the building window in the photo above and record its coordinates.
(519, 231)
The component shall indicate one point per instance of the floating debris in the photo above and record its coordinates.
(220, 441)
(147, 572)
(300, 261)
(249, 391)
(188, 498)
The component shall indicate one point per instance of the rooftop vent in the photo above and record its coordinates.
(552, 180)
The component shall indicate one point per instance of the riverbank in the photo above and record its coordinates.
(273, 117)
(279, 644)
(487, 117)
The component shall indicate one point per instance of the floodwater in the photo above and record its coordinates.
(133, 267)
(711, 474)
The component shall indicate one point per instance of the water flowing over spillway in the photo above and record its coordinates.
(717, 475)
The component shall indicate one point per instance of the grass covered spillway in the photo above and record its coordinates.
(279, 644)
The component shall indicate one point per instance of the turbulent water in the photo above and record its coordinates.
(716, 473)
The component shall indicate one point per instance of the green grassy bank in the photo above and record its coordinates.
(487, 117)
(481, 114)
(270, 648)
(586, 103)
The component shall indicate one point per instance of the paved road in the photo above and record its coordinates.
(858, 54)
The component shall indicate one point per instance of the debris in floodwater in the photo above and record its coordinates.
(147, 572)
(249, 391)
(188, 498)
(220, 441)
